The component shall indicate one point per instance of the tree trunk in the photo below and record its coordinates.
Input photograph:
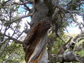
(41, 12)
(39, 52)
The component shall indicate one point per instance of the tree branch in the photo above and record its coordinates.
(69, 56)
(64, 46)
(19, 3)
(15, 40)
(67, 11)
(19, 18)
(26, 6)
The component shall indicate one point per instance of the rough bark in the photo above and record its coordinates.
(35, 42)
(41, 11)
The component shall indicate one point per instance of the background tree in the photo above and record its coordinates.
(60, 14)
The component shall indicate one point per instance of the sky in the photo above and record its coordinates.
(72, 28)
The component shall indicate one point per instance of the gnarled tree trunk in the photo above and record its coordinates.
(35, 42)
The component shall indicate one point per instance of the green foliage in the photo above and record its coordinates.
(80, 53)
(13, 54)
(57, 44)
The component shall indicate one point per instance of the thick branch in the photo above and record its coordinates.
(64, 47)
(28, 2)
(19, 3)
(78, 36)
(50, 7)
(70, 56)
(24, 16)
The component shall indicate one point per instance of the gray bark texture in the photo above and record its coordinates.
(41, 12)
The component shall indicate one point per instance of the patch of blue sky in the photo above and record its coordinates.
(21, 9)
(29, 19)
(72, 25)
(72, 29)
(82, 7)
(30, 6)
